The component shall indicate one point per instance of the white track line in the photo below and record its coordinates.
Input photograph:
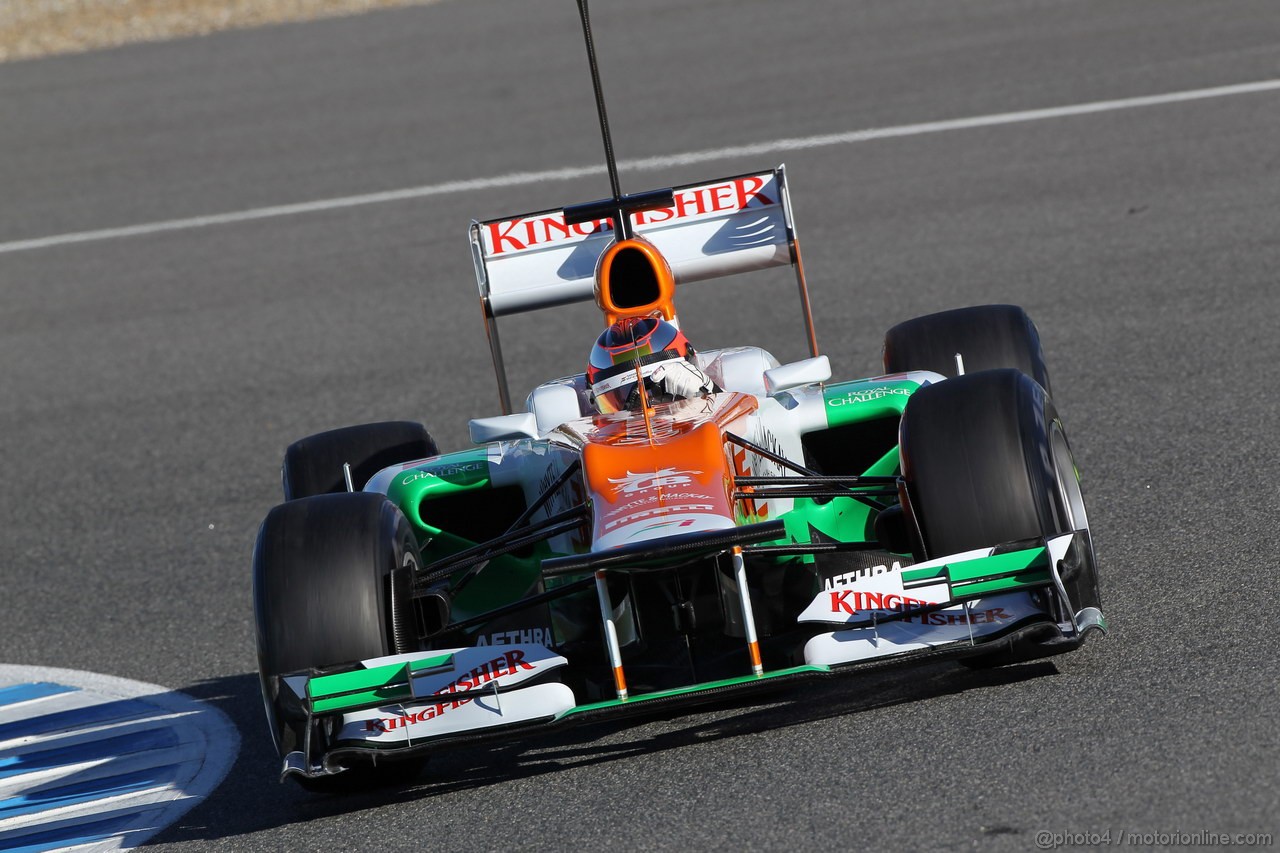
(776, 146)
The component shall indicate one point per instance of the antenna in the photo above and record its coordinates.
(620, 207)
(621, 224)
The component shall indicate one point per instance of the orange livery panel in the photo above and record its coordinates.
(675, 477)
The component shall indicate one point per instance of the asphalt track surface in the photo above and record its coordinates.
(150, 383)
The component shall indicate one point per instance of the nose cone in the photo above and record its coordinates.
(642, 491)
(669, 524)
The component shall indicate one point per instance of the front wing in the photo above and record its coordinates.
(403, 705)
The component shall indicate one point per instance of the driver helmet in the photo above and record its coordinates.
(611, 371)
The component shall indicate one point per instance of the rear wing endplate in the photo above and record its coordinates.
(712, 229)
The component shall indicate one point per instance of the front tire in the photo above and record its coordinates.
(330, 586)
(982, 456)
(986, 461)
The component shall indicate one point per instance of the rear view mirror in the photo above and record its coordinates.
(797, 374)
(503, 428)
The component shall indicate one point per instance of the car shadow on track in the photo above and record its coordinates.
(251, 799)
(647, 734)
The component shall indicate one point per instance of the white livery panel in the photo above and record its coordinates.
(407, 723)
(964, 622)
(712, 229)
(480, 687)
(879, 591)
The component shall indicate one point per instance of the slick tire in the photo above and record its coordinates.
(985, 336)
(313, 465)
(985, 460)
(331, 586)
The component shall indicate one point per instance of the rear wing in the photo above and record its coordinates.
(712, 229)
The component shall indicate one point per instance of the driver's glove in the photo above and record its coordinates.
(682, 380)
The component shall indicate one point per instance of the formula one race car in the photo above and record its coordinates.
(671, 526)
(587, 559)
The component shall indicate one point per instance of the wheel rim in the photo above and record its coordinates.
(1067, 476)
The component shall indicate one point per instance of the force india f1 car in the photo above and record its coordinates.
(578, 564)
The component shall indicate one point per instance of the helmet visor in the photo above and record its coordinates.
(620, 392)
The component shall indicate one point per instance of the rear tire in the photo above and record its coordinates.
(313, 465)
(986, 336)
(330, 586)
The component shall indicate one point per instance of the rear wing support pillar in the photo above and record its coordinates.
(796, 261)
(499, 366)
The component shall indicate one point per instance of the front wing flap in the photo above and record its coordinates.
(966, 598)
(403, 700)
